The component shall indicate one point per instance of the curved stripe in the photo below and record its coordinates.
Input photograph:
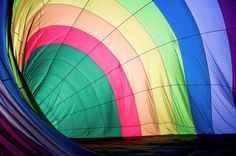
(194, 59)
(74, 109)
(76, 38)
(149, 60)
(216, 46)
(123, 53)
(228, 9)
(27, 10)
(151, 18)
(15, 141)
(37, 129)
(154, 67)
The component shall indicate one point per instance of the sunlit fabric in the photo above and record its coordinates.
(119, 68)
(125, 68)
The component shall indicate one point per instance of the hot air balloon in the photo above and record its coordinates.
(118, 68)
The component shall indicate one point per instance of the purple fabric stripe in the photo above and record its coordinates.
(228, 8)
(11, 137)
(216, 46)
(16, 142)
(16, 117)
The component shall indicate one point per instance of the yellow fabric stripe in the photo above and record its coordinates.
(155, 70)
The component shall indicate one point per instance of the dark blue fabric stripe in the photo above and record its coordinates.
(60, 142)
(195, 65)
(3, 18)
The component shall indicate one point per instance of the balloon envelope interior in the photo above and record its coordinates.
(121, 68)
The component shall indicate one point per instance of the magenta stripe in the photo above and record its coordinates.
(76, 38)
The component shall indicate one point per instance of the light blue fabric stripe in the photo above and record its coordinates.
(209, 19)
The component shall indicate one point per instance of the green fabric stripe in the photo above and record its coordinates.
(160, 31)
(80, 115)
(15, 4)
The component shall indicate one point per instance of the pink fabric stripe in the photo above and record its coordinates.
(76, 38)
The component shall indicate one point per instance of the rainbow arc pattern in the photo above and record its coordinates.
(124, 68)
(118, 68)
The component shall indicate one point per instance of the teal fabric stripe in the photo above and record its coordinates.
(77, 107)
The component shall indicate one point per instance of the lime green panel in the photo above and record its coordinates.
(68, 93)
(15, 4)
(160, 31)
